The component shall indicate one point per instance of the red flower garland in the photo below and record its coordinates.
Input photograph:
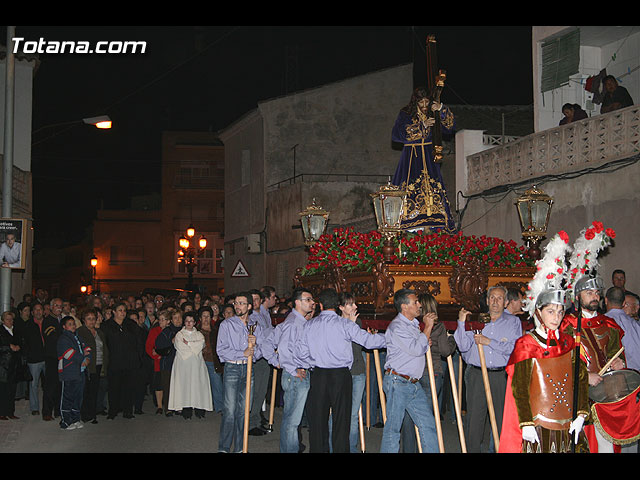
(357, 251)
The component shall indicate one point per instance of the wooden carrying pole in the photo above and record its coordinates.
(247, 406)
(487, 391)
(460, 381)
(368, 399)
(383, 403)
(434, 398)
(456, 403)
(361, 429)
(272, 404)
(247, 398)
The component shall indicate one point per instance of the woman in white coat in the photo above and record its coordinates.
(190, 387)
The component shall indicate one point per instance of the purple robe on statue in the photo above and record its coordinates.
(427, 203)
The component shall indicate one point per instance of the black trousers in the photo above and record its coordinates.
(121, 391)
(329, 390)
(477, 409)
(7, 398)
(51, 388)
(90, 397)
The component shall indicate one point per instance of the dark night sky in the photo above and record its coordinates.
(205, 78)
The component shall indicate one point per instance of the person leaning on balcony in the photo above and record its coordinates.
(615, 96)
(572, 113)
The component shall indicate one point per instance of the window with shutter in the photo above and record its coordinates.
(560, 60)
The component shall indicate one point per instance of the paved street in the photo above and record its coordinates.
(150, 433)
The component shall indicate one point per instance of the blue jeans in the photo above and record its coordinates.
(402, 395)
(216, 387)
(358, 385)
(408, 435)
(232, 424)
(36, 370)
(295, 397)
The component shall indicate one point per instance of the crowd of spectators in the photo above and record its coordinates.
(130, 340)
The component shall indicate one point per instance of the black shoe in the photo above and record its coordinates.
(110, 417)
(128, 415)
(94, 421)
(257, 431)
(138, 412)
(169, 414)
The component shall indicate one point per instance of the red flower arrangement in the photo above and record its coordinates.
(357, 251)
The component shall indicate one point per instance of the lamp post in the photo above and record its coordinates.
(188, 252)
(94, 263)
(314, 223)
(388, 205)
(102, 122)
(534, 209)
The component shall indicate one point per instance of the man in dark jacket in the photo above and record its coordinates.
(51, 330)
(73, 358)
(35, 352)
(123, 343)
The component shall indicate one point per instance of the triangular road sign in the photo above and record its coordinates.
(240, 270)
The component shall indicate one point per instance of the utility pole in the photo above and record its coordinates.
(7, 164)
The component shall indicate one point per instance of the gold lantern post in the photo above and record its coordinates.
(314, 220)
(534, 209)
(189, 252)
(388, 205)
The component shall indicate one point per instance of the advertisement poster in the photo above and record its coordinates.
(13, 242)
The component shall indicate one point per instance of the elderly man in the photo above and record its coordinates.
(498, 338)
(631, 305)
(614, 299)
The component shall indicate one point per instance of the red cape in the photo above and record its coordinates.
(526, 347)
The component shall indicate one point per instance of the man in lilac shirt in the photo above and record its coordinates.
(407, 346)
(498, 338)
(325, 347)
(234, 345)
(295, 381)
(261, 370)
(614, 298)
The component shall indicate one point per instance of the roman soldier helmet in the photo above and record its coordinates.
(547, 284)
(583, 261)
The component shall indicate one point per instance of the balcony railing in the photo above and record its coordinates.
(584, 144)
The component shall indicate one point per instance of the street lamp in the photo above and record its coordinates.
(188, 251)
(534, 209)
(102, 122)
(94, 263)
(388, 206)
(314, 223)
